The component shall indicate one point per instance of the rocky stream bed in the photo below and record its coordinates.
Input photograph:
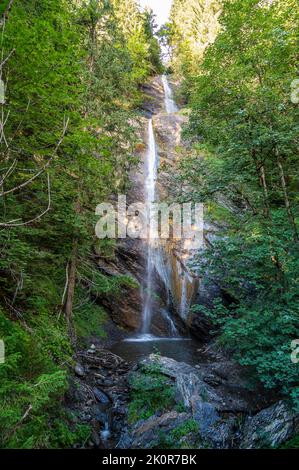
(215, 395)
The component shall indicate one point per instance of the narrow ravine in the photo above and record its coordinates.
(211, 396)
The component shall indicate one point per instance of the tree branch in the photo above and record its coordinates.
(5, 14)
(12, 224)
(7, 58)
(30, 180)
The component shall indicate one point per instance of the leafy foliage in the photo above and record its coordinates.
(243, 166)
(72, 76)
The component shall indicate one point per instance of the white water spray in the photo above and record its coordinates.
(170, 105)
(105, 433)
(185, 300)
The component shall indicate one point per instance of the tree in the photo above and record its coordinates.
(67, 144)
(244, 167)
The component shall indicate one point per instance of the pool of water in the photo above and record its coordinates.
(181, 349)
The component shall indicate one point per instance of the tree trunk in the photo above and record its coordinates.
(71, 286)
(286, 197)
(262, 177)
(265, 189)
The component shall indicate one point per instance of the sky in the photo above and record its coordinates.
(160, 7)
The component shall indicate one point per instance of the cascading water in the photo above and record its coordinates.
(180, 283)
(186, 283)
(150, 197)
(170, 105)
(164, 273)
(155, 260)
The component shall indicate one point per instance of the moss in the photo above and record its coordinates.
(189, 426)
(90, 320)
(184, 436)
(150, 392)
(291, 444)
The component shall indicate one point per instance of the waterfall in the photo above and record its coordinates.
(173, 330)
(170, 105)
(105, 433)
(151, 165)
(156, 264)
(186, 295)
(155, 261)
(184, 301)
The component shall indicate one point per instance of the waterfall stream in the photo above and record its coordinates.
(170, 105)
(155, 262)
(151, 166)
(165, 284)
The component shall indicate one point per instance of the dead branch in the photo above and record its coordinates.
(30, 180)
(65, 289)
(9, 171)
(6, 12)
(18, 288)
(12, 222)
(7, 58)
(2, 125)
(11, 433)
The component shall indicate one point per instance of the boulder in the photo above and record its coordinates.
(205, 415)
(202, 402)
(148, 433)
(190, 384)
(191, 388)
(168, 366)
(101, 396)
(79, 370)
(270, 427)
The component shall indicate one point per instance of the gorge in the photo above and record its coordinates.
(210, 390)
(181, 341)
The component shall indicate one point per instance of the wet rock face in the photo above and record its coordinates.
(168, 131)
(131, 254)
(125, 309)
(270, 427)
(154, 97)
(130, 259)
(183, 284)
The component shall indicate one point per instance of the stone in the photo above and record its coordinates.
(190, 387)
(95, 439)
(190, 382)
(168, 366)
(79, 370)
(92, 349)
(270, 427)
(147, 433)
(205, 415)
(101, 396)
